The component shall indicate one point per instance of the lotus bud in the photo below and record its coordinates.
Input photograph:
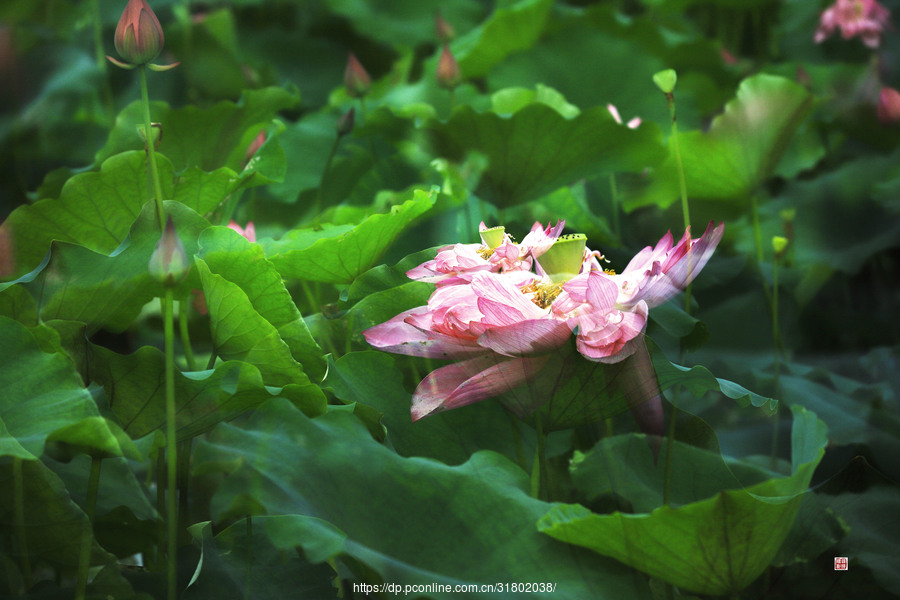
(564, 258)
(889, 106)
(345, 123)
(168, 263)
(356, 78)
(448, 73)
(139, 36)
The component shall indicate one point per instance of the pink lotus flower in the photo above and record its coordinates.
(504, 327)
(865, 18)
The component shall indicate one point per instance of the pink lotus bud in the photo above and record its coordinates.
(346, 122)
(889, 106)
(139, 36)
(168, 263)
(448, 73)
(356, 78)
(443, 28)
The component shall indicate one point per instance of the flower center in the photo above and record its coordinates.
(543, 292)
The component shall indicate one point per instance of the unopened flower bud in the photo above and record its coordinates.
(345, 123)
(168, 263)
(356, 78)
(443, 28)
(448, 73)
(139, 36)
(889, 106)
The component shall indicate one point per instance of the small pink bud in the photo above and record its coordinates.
(345, 123)
(249, 232)
(139, 36)
(168, 263)
(443, 28)
(356, 78)
(889, 106)
(448, 73)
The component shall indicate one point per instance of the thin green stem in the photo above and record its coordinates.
(776, 359)
(171, 448)
(183, 311)
(84, 559)
(151, 150)
(161, 507)
(19, 522)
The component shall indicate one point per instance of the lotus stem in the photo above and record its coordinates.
(151, 150)
(171, 449)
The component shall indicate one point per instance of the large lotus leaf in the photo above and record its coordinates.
(342, 253)
(373, 379)
(97, 209)
(874, 531)
(374, 513)
(625, 465)
(537, 150)
(45, 400)
(715, 546)
(405, 22)
(135, 388)
(239, 332)
(208, 138)
(243, 561)
(230, 255)
(79, 284)
(52, 523)
(698, 380)
(511, 27)
(741, 149)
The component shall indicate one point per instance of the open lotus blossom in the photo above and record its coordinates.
(503, 326)
(864, 18)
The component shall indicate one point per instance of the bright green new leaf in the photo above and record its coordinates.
(240, 333)
(346, 252)
(230, 255)
(715, 546)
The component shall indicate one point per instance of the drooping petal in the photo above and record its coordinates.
(605, 337)
(397, 335)
(470, 381)
(526, 338)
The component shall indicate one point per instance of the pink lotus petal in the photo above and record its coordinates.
(470, 381)
(526, 338)
(400, 337)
